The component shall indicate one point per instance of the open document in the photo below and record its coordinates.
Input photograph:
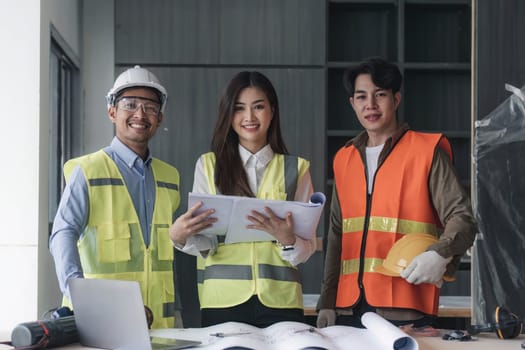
(232, 212)
(379, 334)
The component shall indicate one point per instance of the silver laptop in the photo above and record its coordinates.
(109, 314)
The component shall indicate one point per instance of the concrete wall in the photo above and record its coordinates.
(98, 72)
(29, 286)
(20, 183)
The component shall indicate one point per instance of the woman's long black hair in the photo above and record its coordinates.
(230, 176)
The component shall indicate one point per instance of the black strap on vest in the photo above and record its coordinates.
(291, 165)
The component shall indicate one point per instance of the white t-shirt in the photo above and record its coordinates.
(372, 157)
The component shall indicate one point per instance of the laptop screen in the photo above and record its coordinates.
(109, 314)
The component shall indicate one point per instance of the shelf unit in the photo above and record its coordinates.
(430, 42)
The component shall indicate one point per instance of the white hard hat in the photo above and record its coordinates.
(136, 77)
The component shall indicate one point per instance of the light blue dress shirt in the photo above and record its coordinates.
(73, 211)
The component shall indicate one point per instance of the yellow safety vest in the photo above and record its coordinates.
(113, 247)
(238, 271)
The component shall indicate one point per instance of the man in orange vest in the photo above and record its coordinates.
(390, 182)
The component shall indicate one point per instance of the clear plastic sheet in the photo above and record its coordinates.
(498, 262)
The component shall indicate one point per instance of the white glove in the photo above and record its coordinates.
(427, 267)
(325, 318)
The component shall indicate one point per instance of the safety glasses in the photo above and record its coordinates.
(132, 103)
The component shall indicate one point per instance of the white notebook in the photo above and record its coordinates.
(231, 212)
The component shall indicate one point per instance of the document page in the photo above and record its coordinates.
(232, 212)
(379, 334)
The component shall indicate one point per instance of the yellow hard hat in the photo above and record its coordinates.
(403, 251)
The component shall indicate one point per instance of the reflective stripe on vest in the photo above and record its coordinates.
(238, 271)
(400, 204)
(112, 245)
(392, 225)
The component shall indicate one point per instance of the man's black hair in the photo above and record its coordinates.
(384, 74)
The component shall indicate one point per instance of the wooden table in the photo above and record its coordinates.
(449, 306)
(485, 341)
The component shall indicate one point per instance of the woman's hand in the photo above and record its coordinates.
(281, 229)
(189, 224)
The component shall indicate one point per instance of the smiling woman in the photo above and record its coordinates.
(249, 158)
(252, 118)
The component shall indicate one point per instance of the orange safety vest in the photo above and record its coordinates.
(400, 204)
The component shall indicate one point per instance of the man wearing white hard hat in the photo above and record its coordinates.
(118, 203)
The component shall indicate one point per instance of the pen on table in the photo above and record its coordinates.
(310, 330)
(222, 335)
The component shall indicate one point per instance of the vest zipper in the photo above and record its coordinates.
(363, 244)
(365, 227)
(147, 270)
(367, 222)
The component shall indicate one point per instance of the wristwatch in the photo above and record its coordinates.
(286, 246)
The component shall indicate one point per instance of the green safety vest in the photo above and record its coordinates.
(113, 247)
(238, 271)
